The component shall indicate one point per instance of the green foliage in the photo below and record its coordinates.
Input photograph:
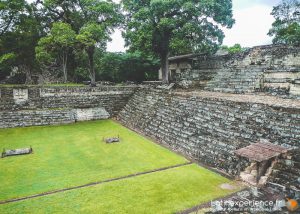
(62, 35)
(22, 25)
(152, 24)
(180, 46)
(157, 26)
(6, 57)
(60, 39)
(20, 29)
(90, 35)
(94, 21)
(11, 12)
(75, 33)
(44, 55)
(59, 43)
(121, 67)
(78, 13)
(286, 27)
(5, 62)
(237, 48)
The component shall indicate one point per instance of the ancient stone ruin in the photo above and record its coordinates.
(112, 140)
(14, 152)
(263, 156)
(269, 69)
(60, 105)
(231, 102)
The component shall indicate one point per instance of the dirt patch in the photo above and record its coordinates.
(227, 186)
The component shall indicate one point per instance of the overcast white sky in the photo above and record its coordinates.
(253, 21)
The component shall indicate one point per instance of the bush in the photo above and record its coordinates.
(120, 67)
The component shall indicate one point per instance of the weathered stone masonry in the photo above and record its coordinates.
(31, 106)
(271, 69)
(210, 128)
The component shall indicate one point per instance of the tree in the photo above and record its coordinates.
(121, 67)
(286, 27)
(5, 61)
(59, 42)
(233, 49)
(158, 25)
(10, 12)
(92, 20)
(89, 36)
(20, 29)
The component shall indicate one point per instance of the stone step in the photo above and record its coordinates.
(248, 178)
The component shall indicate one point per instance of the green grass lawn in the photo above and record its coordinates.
(72, 155)
(160, 192)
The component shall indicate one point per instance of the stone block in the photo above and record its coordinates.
(20, 96)
(90, 114)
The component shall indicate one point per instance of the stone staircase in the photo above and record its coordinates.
(282, 82)
(239, 80)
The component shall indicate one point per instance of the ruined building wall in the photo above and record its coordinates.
(271, 69)
(209, 127)
(29, 106)
(286, 172)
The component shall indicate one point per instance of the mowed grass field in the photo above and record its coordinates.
(74, 155)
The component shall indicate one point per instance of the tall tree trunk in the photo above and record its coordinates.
(26, 69)
(165, 67)
(90, 52)
(65, 60)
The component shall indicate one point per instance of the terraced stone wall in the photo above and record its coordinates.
(209, 127)
(9, 119)
(28, 106)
